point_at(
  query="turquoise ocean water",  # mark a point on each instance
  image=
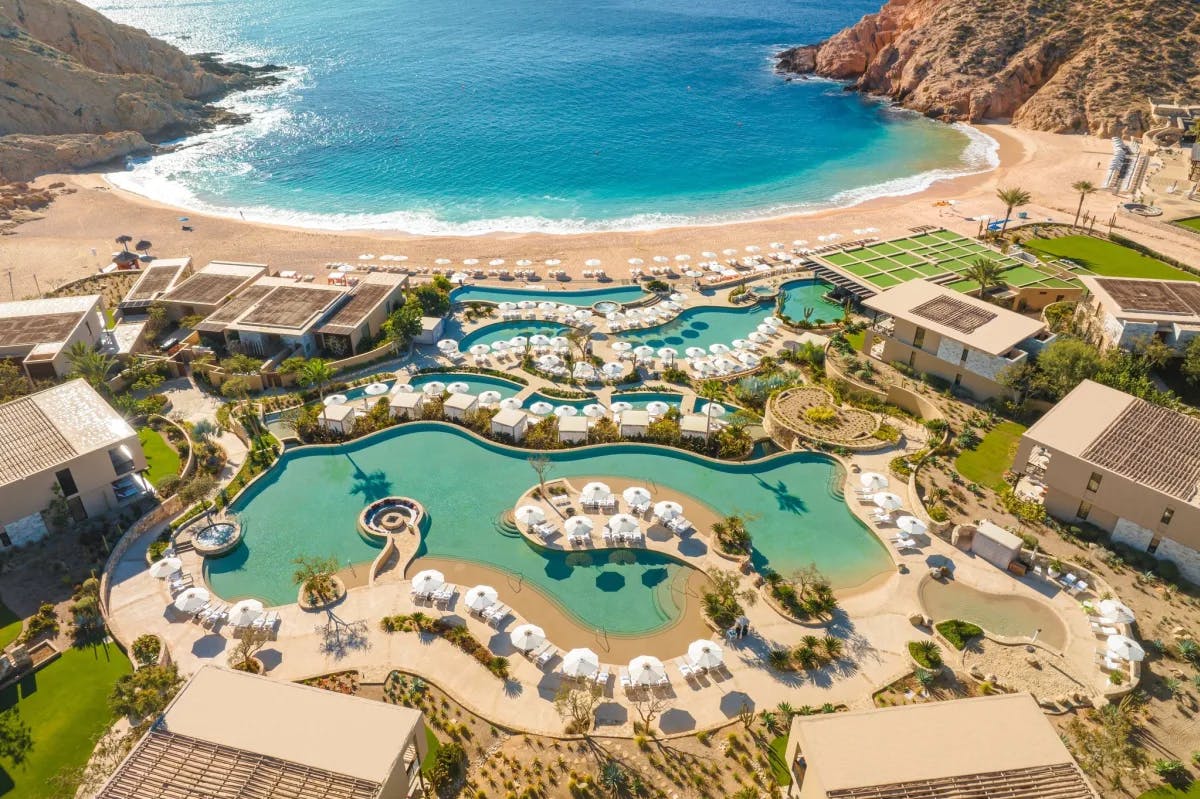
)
(533, 115)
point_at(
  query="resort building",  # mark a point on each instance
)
(229, 735)
(431, 330)
(407, 404)
(360, 319)
(457, 406)
(339, 418)
(511, 422)
(210, 288)
(573, 429)
(38, 333)
(65, 442)
(634, 423)
(963, 340)
(158, 277)
(1123, 464)
(989, 746)
(1126, 312)
(694, 425)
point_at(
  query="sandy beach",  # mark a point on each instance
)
(75, 236)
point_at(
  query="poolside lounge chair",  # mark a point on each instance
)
(881, 518)
(626, 681)
(444, 594)
(904, 543)
(639, 509)
(678, 525)
(685, 668)
(1067, 580)
(602, 676)
(545, 529)
(497, 614)
(1104, 630)
(608, 536)
(198, 612)
(1079, 587)
(546, 656)
(538, 651)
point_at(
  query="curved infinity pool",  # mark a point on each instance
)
(580, 297)
(502, 331)
(466, 484)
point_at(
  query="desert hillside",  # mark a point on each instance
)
(1054, 65)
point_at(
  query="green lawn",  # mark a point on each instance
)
(1167, 792)
(856, 339)
(779, 766)
(987, 463)
(66, 704)
(1191, 223)
(10, 626)
(432, 745)
(1106, 258)
(160, 455)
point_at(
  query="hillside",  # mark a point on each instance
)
(1054, 65)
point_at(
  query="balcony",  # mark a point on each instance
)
(130, 488)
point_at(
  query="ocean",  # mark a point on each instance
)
(464, 117)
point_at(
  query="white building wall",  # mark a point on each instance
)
(979, 363)
(26, 531)
(1186, 558)
(1135, 535)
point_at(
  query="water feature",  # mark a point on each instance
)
(1007, 615)
(580, 297)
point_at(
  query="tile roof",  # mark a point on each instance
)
(1062, 781)
(954, 314)
(1153, 446)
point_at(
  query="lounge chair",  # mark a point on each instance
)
(685, 669)
(497, 617)
(444, 594)
(904, 543)
(626, 681)
(639, 509)
(608, 536)
(602, 676)
(537, 651)
(545, 529)
(546, 656)
(1079, 587)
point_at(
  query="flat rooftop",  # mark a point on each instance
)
(993, 746)
(1146, 299)
(214, 283)
(965, 319)
(218, 319)
(158, 277)
(364, 299)
(45, 321)
(292, 306)
(53, 427)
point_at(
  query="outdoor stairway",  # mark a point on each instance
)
(841, 281)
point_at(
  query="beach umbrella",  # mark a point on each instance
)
(442, 261)
(707, 254)
(911, 525)
(592, 262)
(621, 346)
(500, 346)
(530, 514)
(695, 352)
(543, 306)
(612, 369)
(459, 277)
(511, 404)
(162, 569)
(657, 407)
(636, 495)
(644, 351)
(560, 341)
(749, 359)
(668, 353)
(823, 238)
(888, 501)
(753, 248)
(566, 410)
(471, 261)
(518, 342)
(552, 262)
(620, 406)
(191, 599)
(549, 362)
(581, 314)
(667, 509)
(366, 256)
(578, 525)
(448, 345)
(683, 257)
(489, 397)
(243, 613)
(524, 262)
(636, 262)
(434, 387)
(718, 348)
(647, 670)
(765, 329)
(580, 663)
(694, 273)
(507, 306)
(527, 637)
(1125, 648)
(595, 492)
(376, 389)
(593, 410)
(496, 262)
(622, 523)
(1114, 611)
(661, 259)
(480, 597)
(873, 481)
(526, 305)
(397, 387)
(428, 581)
(336, 399)
(729, 251)
(800, 242)
(458, 387)
(481, 349)
(713, 409)
(583, 371)
(741, 344)
(758, 338)
(668, 305)
(541, 408)
(724, 363)
(705, 654)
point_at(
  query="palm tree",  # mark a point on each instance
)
(316, 372)
(89, 364)
(1012, 198)
(1084, 187)
(124, 240)
(985, 272)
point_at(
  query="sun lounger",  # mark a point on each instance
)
(444, 594)
(1078, 588)
(685, 669)
(198, 612)
(626, 682)
(497, 617)
(539, 650)
(904, 543)
(679, 525)
(602, 676)
(639, 509)
(544, 529)
(608, 536)
(546, 656)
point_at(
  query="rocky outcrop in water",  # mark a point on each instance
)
(1055, 65)
(69, 73)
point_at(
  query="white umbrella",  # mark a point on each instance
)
(667, 509)
(441, 261)
(705, 654)
(524, 262)
(458, 387)
(683, 257)
(707, 254)
(661, 259)
(580, 663)
(500, 346)
(766, 329)
(481, 597)
(552, 262)
(447, 345)
(657, 407)
(496, 262)
(518, 342)
(162, 569)
(749, 359)
(1116, 612)
(873, 481)
(758, 338)
(581, 315)
(644, 351)
(1125, 648)
(773, 321)
(511, 404)
(489, 397)
(434, 387)
(911, 525)
(668, 353)
(459, 277)
(621, 346)
(397, 387)
(549, 362)
(366, 257)
(541, 408)
(243, 613)
(541, 339)
(527, 636)
(191, 599)
(526, 305)
(376, 389)
(470, 261)
(578, 525)
(593, 410)
(530, 514)
(622, 523)
(428, 581)
(695, 352)
(647, 670)
(480, 349)
(636, 495)
(566, 410)
(753, 248)
(620, 406)
(725, 363)
(636, 262)
(678, 297)
(336, 399)
(592, 262)
(718, 348)
(888, 501)
(507, 306)
(729, 251)
(560, 341)
(712, 409)
(741, 344)
(595, 492)
(612, 369)
(693, 273)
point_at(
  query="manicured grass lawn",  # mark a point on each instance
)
(1167, 792)
(432, 746)
(856, 339)
(1107, 259)
(779, 766)
(987, 463)
(161, 456)
(10, 626)
(66, 705)
(1191, 223)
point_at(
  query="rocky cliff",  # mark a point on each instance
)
(1054, 65)
(69, 73)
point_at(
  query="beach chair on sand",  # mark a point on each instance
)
(602, 676)
(497, 617)
(546, 656)
(626, 682)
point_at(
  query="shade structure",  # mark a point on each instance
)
(1125, 648)
(434, 387)
(459, 277)
(560, 341)
(336, 399)
(693, 273)
(191, 599)
(888, 501)
(622, 523)
(741, 344)
(647, 670)
(243, 613)
(480, 597)
(749, 359)
(612, 369)
(636, 262)
(758, 338)
(636, 495)
(489, 397)
(595, 492)
(470, 261)
(428, 581)
(765, 329)
(592, 262)
(552, 262)
(620, 406)
(458, 387)
(518, 342)
(529, 514)
(496, 262)
(912, 525)
(579, 525)
(718, 348)
(527, 636)
(480, 349)
(376, 389)
(667, 509)
(593, 411)
(541, 339)
(448, 345)
(397, 387)
(507, 306)
(657, 407)
(549, 362)
(1116, 612)
(712, 409)
(706, 654)
(668, 353)
(773, 321)
(510, 403)
(661, 259)
(873, 481)
(621, 346)
(162, 569)
(524, 262)
(501, 346)
(683, 257)
(441, 261)
(566, 410)
(580, 663)
(644, 351)
(541, 408)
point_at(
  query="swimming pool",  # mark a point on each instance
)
(580, 297)
(640, 399)
(1008, 615)
(466, 483)
(538, 396)
(799, 294)
(490, 334)
(476, 383)
(701, 327)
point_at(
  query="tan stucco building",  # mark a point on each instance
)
(963, 340)
(1126, 312)
(230, 735)
(66, 437)
(1123, 464)
(36, 334)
